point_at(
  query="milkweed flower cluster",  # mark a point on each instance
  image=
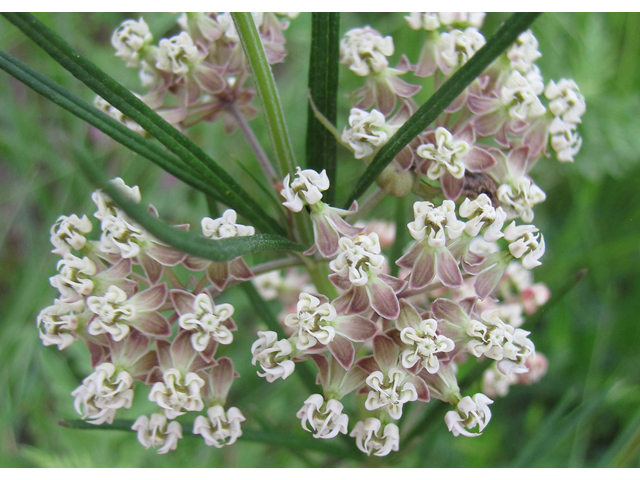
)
(394, 336)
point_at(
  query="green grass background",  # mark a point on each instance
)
(585, 412)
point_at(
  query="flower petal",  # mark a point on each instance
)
(424, 271)
(355, 327)
(359, 302)
(239, 270)
(385, 352)
(451, 186)
(478, 159)
(368, 364)
(488, 280)
(182, 352)
(383, 299)
(409, 316)
(343, 351)
(221, 378)
(151, 298)
(152, 324)
(167, 256)
(218, 274)
(152, 269)
(445, 309)
(182, 301)
(447, 268)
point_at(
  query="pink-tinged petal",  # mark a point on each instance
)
(447, 268)
(383, 299)
(151, 298)
(458, 103)
(501, 136)
(311, 250)
(343, 351)
(409, 258)
(153, 211)
(396, 284)
(451, 186)
(118, 271)
(481, 105)
(500, 169)
(405, 158)
(385, 97)
(404, 65)
(208, 353)
(402, 88)
(134, 346)
(424, 271)
(466, 134)
(154, 376)
(326, 238)
(342, 283)
(239, 270)
(488, 280)
(182, 301)
(152, 324)
(195, 264)
(164, 255)
(363, 390)
(421, 388)
(445, 309)
(518, 161)
(368, 364)
(472, 259)
(368, 95)
(192, 91)
(352, 380)
(230, 324)
(516, 127)
(536, 138)
(344, 227)
(163, 349)
(355, 327)
(218, 274)
(341, 304)
(173, 115)
(209, 80)
(359, 301)
(144, 365)
(402, 114)
(221, 378)
(98, 353)
(427, 64)
(200, 363)
(385, 352)
(182, 352)
(323, 368)
(183, 226)
(467, 304)
(488, 124)
(409, 316)
(415, 370)
(478, 159)
(152, 269)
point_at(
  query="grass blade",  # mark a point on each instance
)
(125, 101)
(441, 99)
(322, 148)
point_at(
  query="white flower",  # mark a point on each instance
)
(364, 51)
(447, 155)
(481, 214)
(519, 95)
(427, 20)
(154, 432)
(68, 233)
(519, 196)
(368, 132)
(325, 418)
(566, 100)
(102, 393)
(423, 344)
(273, 355)
(304, 189)
(435, 223)
(526, 243)
(495, 383)
(368, 437)
(269, 284)
(74, 280)
(104, 106)
(177, 392)
(565, 140)
(312, 321)
(524, 52)
(112, 313)
(472, 19)
(390, 391)
(208, 322)
(520, 276)
(226, 21)
(121, 236)
(359, 258)
(469, 413)
(219, 428)
(225, 227)
(57, 323)
(106, 206)
(129, 39)
(457, 47)
(177, 54)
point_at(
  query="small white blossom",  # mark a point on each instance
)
(312, 322)
(365, 51)
(519, 196)
(273, 355)
(422, 345)
(435, 223)
(325, 418)
(524, 52)
(226, 22)
(219, 428)
(495, 383)
(225, 227)
(57, 323)
(457, 47)
(446, 155)
(525, 243)
(177, 54)
(68, 233)
(566, 100)
(154, 432)
(482, 215)
(472, 19)
(304, 189)
(112, 313)
(519, 95)
(102, 393)
(565, 140)
(74, 280)
(178, 391)
(129, 39)
(428, 20)
(207, 320)
(359, 258)
(121, 236)
(106, 206)
(390, 391)
(368, 132)
(369, 437)
(469, 413)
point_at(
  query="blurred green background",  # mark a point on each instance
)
(585, 412)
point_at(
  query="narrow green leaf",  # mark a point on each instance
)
(432, 108)
(135, 142)
(248, 435)
(401, 234)
(322, 149)
(196, 245)
(130, 105)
